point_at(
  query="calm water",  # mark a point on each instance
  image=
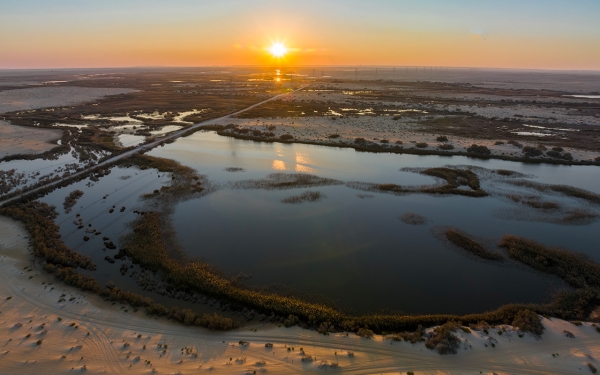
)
(354, 250)
(350, 250)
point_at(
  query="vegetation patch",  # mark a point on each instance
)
(575, 269)
(71, 200)
(566, 190)
(443, 340)
(471, 246)
(307, 196)
(479, 150)
(234, 169)
(278, 181)
(412, 218)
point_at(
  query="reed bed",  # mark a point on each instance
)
(307, 196)
(280, 181)
(473, 247)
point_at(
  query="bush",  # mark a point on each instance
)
(360, 141)
(365, 332)
(528, 321)
(446, 147)
(421, 145)
(442, 138)
(443, 340)
(333, 136)
(531, 151)
(286, 137)
(481, 150)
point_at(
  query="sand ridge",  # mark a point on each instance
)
(80, 332)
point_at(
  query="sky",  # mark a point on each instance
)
(524, 34)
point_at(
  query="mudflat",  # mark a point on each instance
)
(16, 139)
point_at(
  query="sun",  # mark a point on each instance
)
(278, 50)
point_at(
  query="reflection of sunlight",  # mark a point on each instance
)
(303, 158)
(301, 161)
(279, 165)
(304, 169)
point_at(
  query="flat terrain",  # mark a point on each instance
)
(389, 114)
(42, 97)
(80, 332)
(25, 140)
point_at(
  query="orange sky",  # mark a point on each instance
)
(542, 35)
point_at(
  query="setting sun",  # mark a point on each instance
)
(278, 50)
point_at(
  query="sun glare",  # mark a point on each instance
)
(278, 50)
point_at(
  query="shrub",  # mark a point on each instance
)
(497, 143)
(333, 136)
(443, 340)
(481, 150)
(421, 145)
(515, 143)
(291, 320)
(528, 321)
(442, 138)
(360, 141)
(531, 151)
(286, 137)
(557, 149)
(446, 146)
(365, 332)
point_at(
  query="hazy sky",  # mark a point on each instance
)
(545, 34)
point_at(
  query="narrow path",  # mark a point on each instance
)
(149, 146)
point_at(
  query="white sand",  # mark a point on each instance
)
(98, 344)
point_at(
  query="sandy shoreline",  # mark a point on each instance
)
(98, 337)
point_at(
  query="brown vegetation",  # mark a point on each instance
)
(471, 246)
(412, 218)
(307, 196)
(71, 200)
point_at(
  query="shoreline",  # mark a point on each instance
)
(392, 150)
(111, 328)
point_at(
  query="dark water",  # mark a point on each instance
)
(347, 249)
(354, 250)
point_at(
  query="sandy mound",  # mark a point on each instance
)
(49, 328)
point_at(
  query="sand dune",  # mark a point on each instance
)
(81, 332)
